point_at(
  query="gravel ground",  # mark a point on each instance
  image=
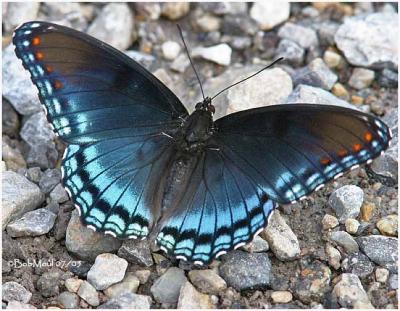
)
(336, 249)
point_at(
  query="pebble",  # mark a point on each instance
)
(170, 50)
(144, 59)
(19, 196)
(136, 252)
(352, 225)
(58, 194)
(381, 275)
(49, 179)
(208, 22)
(346, 202)
(240, 43)
(88, 293)
(239, 25)
(332, 59)
(387, 78)
(357, 100)
(350, 293)
(73, 284)
(17, 86)
(316, 73)
(167, 287)
(80, 268)
(345, 240)
(16, 305)
(10, 119)
(281, 296)
(224, 8)
(71, 14)
(269, 15)
(129, 284)
(148, 10)
(380, 249)
(369, 40)
(219, 54)
(358, 264)
(361, 78)
(49, 283)
(304, 36)
(180, 63)
(143, 275)
(244, 271)
(329, 222)
(367, 211)
(18, 13)
(36, 130)
(128, 301)
(34, 174)
(85, 243)
(394, 281)
(107, 270)
(388, 225)
(190, 298)
(12, 157)
(258, 245)
(12, 291)
(283, 242)
(115, 26)
(291, 51)
(326, 32)
(69, 300)
(207, 281)
(340, 91)
(175, 10)
(34, 223)
(334, 256)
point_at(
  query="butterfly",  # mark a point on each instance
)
(139, 165)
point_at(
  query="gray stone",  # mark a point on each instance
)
(240, 43)
(69, 13)
(19, 12)
(107, 270)
(291, 51)
(208, 22)
(387, 78)
(49, 283)
(128, 301)
(136, 252)
(282, 240)
(16, 305)
(88, 293)
(239, 25)
(358, 264)
(244, 271)
(69, 300)
(180, 63)
(345, 240)
(143, 275)
(223, 8)
(115, 26)
(19, 196)
(190, 298)
(370, 40)
(129, 284)
(346, 202)
(207, 281)
(58, 194)
(303, 36)
(144, 59)
(44, 155)
(220, 54)
(12, 157)
(10, 120)
(17, 86)
(270, 14)
(149, 10)
(394, 281)
(34, 174)
(334, 256)
(14, 291)
(258, 245)
(361, 78)
(34, 223)
(167, 287)
(381, 250)
(36, 130)
(350, 293)
(85, 243)
(72, 284)
(49, 179)
(326, 32)
(175, 10)
(317, 73)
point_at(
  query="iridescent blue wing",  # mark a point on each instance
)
(223, 208)
(292, 150)
(90, 90)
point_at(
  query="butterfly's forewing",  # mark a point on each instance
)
(291, 150)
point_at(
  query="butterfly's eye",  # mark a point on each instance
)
(211, 109)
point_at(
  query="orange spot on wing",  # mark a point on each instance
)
(325, 161)
(39, 55)
(58, 85)
(49, 69)
(342, 153)
(36, 41)
(368, 136)
(357, 147)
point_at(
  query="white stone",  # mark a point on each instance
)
(350, 293)
(20, 12)
(281, 296)
(268, 14)
(170, 49)
(220, 54)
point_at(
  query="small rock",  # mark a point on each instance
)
(388, 78)
(369, 40)
(190, 298)
(85, 243)
(352, 225)
(167, 287)
(48, 283)
(59, 194)
(150, 10)
(332, 59)
(224, 8)
(344, 240)
(12, 157)
(136, 252)
(388, 225)
(316, 74)
(346, 201)
(207, 281)
(16, 305)
(73, 284)
(220, 54)
(358, 264)
(174, 10)
(329, 222)
(180, 63)
(240, 43)
(281, 296)
(34, 174)
(36, 130)
(13, 291)
(238, 25)
(69, 300)
(19, 196)
(34, 223)
(394, 281)
(128, 301)
(67, 13)
(350, 293)
(63, 218)
(244, 271)
(326, 32)
(282, 240)
(269, 15)
(144, 59)
(108, 269)
(80, 268)
(143, 276)
(334, 256)
(50, 178)
(10, 119)
(88, 293)
(380, 249)
(381, 275)
(44, 155)
(114, 25)
(129, 284)
(340, 91)
(19, 12)
(303, 36)
(291, 51)
(170, 50)
(258, 245)
(361, 78)
(367, 211)
(208, 23)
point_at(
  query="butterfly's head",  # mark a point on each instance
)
(206, 105)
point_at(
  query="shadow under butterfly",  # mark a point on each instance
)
(138, 165)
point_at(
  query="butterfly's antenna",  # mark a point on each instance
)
(236, 83)
(190, 59)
